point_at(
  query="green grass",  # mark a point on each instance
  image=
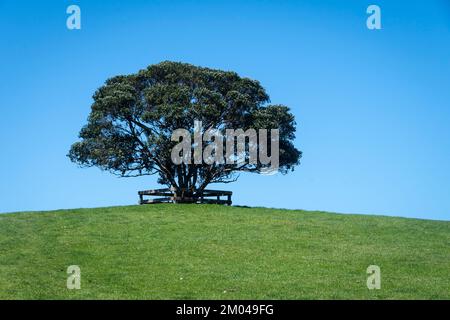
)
(216, 252)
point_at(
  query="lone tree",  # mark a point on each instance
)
(129, 130)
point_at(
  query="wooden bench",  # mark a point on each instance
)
(170, 196)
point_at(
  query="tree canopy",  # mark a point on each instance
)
(129, 130)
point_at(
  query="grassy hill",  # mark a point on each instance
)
(216, 252)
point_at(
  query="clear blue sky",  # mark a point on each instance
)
(373, 107)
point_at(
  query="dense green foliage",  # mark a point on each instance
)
(133, 117)
(218, 252)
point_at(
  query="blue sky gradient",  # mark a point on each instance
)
(372, 106)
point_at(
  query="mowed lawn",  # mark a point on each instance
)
(217, 252)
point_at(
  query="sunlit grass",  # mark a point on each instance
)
(217, 252)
